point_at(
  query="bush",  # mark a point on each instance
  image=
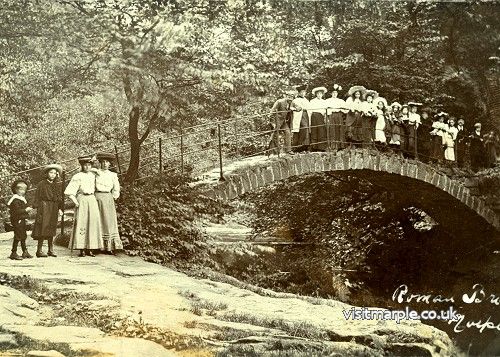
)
(157, 220)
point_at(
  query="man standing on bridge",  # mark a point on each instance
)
(280, 123)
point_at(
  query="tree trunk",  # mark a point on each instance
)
(135, 145)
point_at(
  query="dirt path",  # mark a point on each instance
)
(218, 315)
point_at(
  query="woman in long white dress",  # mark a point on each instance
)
(107, 191)
(450, 135)
(87, 232)
(380, 104)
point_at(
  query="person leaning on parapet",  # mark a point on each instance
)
(280, 123)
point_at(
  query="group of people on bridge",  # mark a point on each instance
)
(92, 190)
(366, 119)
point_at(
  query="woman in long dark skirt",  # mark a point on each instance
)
(405, 119)
(48, 201)
(396, 127)
(318, 107)
(336, 127)
(369, 118)
(353, 119)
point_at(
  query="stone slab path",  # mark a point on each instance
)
(164, 298)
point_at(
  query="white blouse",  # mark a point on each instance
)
(354, 104)
(82, 182)
(414, 119)
(107, 181)
(439, 128)
(317, 105)
(335, 105)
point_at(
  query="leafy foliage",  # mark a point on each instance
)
(157, 220)
(115, 70)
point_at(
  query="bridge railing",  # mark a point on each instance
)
(198, 149)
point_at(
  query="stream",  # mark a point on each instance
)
(362, 246)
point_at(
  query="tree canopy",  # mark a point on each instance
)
(80, 75)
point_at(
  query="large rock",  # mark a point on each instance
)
(92, 341)
(7, 340)
(16, 307)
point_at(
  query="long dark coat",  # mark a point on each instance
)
(48, 200)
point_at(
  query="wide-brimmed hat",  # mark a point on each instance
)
(86, 159)
(414, 104)
(396, 104)
(317, 89)
(301, 87)
(380, 99)
(372, 93)
(56, 167)
(105, 156)
(336, 87)
(16, 183)
(441, 114)
(355, 89)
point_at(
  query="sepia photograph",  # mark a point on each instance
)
(246, 178)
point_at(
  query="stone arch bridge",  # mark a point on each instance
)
(450, 198)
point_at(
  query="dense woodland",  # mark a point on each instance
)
(80, 75)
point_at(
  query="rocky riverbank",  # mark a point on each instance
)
(124, 306)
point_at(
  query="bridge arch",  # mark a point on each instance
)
(247, 175)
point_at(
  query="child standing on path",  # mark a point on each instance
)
(19, 212)
(48, 201)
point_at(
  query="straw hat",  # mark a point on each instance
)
(317, 89)
(86, 159)
(301, 87)
(441, 114)
(355, 89)
(56, 167)
(105, 156)
(380, 99)
(372, 93)
(414, 104)
(396, 105)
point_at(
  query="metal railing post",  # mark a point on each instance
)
(63, 179)
(277, 139)
(118, 160)
(160, 155)
(416, 141)
(327, 126)
(182, 150)
(236, 137)
(221, 178)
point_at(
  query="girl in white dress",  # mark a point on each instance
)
(87, 233)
